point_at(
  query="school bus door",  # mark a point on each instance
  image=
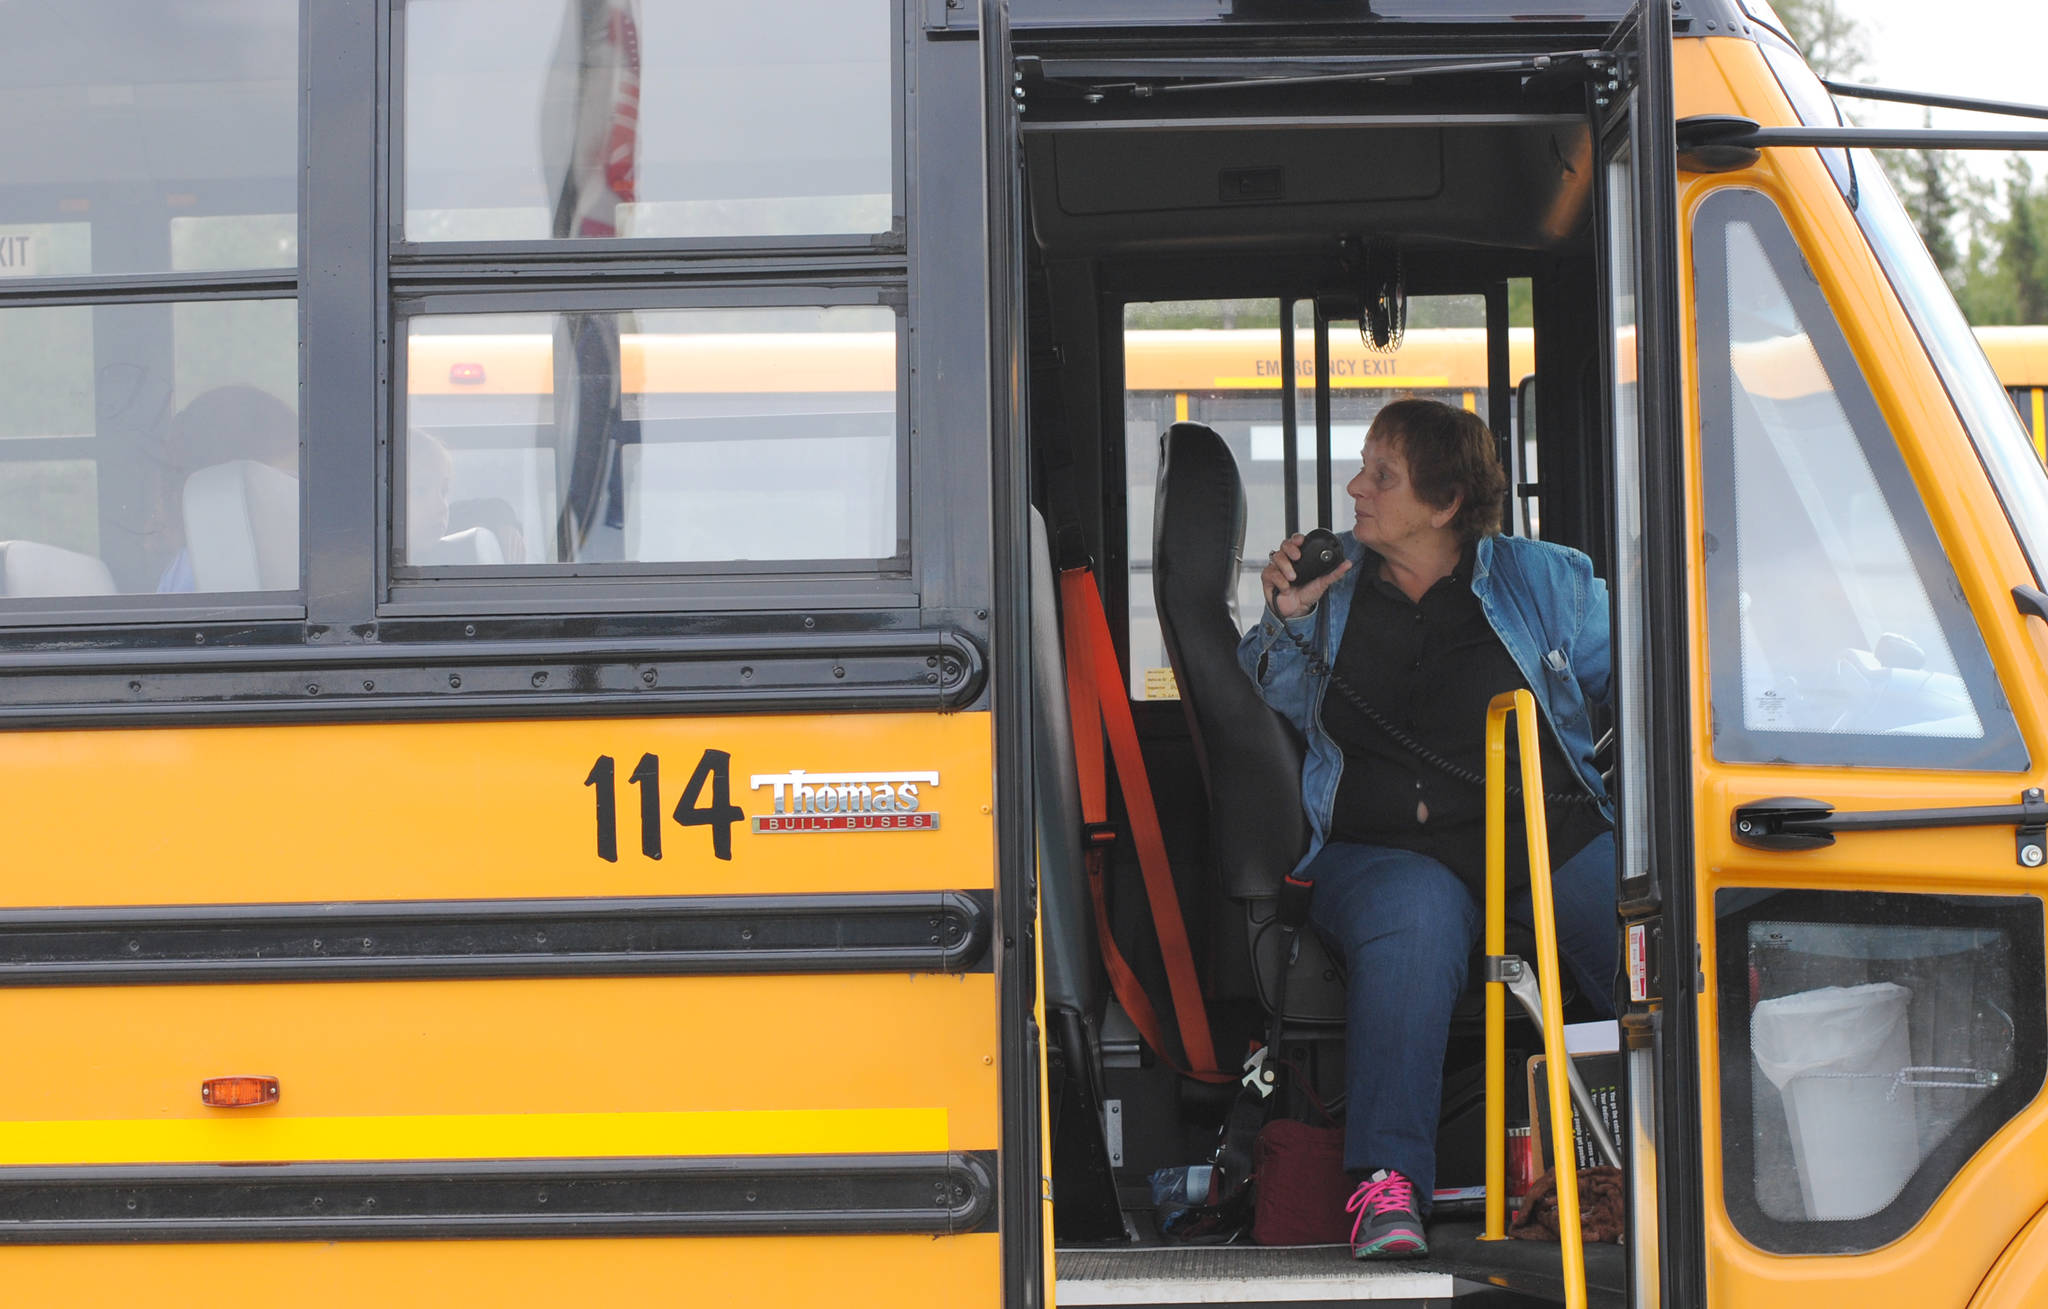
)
(1633, 108)
(1866, 777)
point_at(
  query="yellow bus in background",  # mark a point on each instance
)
(2020, 356)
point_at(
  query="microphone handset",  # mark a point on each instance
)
(1321, 552)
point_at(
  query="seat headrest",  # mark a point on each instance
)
(30, 568)
(242, 527)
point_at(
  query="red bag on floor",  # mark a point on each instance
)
(1299, 1185)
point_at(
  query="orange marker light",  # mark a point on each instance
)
(466, 374)
(238, 1092)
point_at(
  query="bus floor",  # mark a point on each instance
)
(1461, 1271)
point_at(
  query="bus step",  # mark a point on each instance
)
(1257, 1276)
(1532, 1268)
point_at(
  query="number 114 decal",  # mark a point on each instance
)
(717, 812)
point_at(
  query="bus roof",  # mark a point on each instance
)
(2018, 354)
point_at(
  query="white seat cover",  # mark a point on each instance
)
(474, 545)
(242, 527)
(30, 568)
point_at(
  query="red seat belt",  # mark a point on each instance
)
(1097, 703)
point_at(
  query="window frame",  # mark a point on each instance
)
(2019, 917)
(418, 278)
(2001, 748)
(404, 251)
(23, 616)
(629, 586)
(916, 638)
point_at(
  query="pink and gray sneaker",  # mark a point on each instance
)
(1389, 1225)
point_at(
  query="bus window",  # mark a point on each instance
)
(2027, 402)
(686, 436)
(1218, 362)
(1837, 633)
(149, 135)
(149, 445)
(156, 447)
(1870, 1044)
(668, 118)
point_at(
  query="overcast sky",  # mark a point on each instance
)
(1994, 49)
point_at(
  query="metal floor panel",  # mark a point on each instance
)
(1175, 1275)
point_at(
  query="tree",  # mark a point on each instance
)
(1930, 195)
(2020, 253)
(1831, 40)
(1985, 295)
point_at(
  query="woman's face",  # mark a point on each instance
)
(1392, 519)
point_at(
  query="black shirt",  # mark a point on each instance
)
(1431, 668)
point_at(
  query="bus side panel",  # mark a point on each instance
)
(606, 951)
(870, 1272)
(418, 811)
(2020, 1277)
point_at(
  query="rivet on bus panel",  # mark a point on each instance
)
(238, 1092)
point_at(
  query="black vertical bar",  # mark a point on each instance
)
(1500, 396)
(135, 358)
(1020, 1184)
(341, 311)
(1667, 805)
(1290, 420)
(1322, 420)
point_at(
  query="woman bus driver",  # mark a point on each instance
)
(1430, 616)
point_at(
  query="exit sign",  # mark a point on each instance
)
(18, 254)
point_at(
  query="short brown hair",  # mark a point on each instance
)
(1449, 451)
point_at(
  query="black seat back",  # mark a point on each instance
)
(1250, 755)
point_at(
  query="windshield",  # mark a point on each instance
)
(1993, 424)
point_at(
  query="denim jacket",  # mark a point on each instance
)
(1542, 600)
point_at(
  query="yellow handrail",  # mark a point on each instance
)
(1564, 1148)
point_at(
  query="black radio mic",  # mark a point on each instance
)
(1321, 552)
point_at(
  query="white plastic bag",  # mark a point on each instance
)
(1836, 1055)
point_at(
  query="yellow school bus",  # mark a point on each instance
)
(2020, 354)
(537, 744)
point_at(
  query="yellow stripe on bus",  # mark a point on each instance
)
(1180, 406)
(1336, 383)
(2040, 428)
(258, 1138)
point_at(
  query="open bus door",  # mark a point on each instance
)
(1867, 842)
(1640, 284)
(1025, 1182)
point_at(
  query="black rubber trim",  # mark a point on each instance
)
(935, 1194)
(927, 931)
(924, 670)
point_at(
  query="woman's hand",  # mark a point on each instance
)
(1277, 580)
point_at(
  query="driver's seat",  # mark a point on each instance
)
(1250, 756)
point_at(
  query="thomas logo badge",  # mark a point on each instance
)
(846, 802)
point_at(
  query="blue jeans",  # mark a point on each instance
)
(1405, 927)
